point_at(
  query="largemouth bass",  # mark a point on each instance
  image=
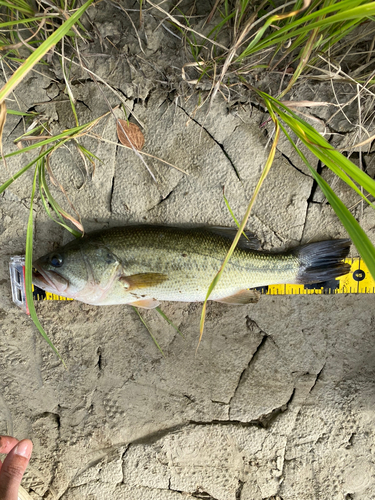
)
(143, 265)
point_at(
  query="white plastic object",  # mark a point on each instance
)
(17, 281)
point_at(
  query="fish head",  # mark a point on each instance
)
(62, 272)
(81, 270)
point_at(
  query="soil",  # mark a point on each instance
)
(279, 401)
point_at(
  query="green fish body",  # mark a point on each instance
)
(143, 265)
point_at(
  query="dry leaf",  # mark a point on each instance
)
(132, 136)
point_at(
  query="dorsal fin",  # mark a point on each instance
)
(251, 243)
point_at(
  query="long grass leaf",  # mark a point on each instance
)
(67, 134)
(325, 155)
(7, 183)
(26, 20)
(56, 207)
(318, 145)
(163, 315)
(291, 30)
(29, 270)
(242, 226)
(356, 233)
(148, 329)
(24, 10)
(29, 165)
(232, 214)
(20, 113)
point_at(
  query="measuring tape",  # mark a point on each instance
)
(358, 280)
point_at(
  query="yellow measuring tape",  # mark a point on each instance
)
(41, 295)
(359, 280)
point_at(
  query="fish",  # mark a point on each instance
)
(142, 265)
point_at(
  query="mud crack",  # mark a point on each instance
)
(163, 199)
(310, 199)
(113, 182)
(213, 138)
(294, 166)
(99, 364)
(251, 325)
(317, 378)
(239, 489)
(203, 495)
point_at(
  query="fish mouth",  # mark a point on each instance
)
(49, 281)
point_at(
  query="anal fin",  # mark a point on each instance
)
(242, 297)
(145, 303)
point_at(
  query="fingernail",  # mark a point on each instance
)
(23, 448)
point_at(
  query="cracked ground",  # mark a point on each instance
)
(278, 403)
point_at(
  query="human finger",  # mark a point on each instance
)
(7, 443)
(13, 468)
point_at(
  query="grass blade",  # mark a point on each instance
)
(64, 136)
(292, 30)
(29, 270)
(232, 214)
(163, 315)
(56, 207)
(148, 329)
(20, 113)
(67, 134)
(320, 147)
(7, 183)
(356, 233)
(242, 226)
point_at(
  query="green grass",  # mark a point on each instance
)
(297, 34)
(143, 321)
(29, 268)
(164, 316)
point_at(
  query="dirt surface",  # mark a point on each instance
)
(279, 401)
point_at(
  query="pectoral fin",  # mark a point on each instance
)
(146, 303)
(143, 280)
(242, 297)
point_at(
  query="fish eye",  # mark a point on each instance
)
(56, 260)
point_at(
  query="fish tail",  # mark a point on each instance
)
(322, 261)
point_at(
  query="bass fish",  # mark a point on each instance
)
(143, 265)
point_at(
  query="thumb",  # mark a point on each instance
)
(13, 468)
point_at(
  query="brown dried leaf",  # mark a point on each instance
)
(130, 134)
